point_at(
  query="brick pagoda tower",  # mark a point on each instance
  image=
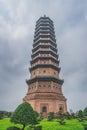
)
(44, 86)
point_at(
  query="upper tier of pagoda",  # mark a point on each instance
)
(44, 52)
(44, 85)
(44, 39)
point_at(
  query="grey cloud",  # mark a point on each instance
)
(16, 43)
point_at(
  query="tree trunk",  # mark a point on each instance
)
(23, 127)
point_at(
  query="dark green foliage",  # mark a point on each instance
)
(72, 114)
(13, 128)
(9, 114)
(68, 116)
(61, 121)
(85, 128)
(24, 115)
(39, 119)
(35, 128)
(36, 113)
(61, 117)
(38, 128)
(41, 116)
(2, 114)
(50, 116)
(80, 115)
(85, 111)
(5, 114)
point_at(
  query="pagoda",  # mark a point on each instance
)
(44, 85)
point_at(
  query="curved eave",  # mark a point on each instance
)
(45, 66)
(44, 24)
(44, 58)
(44, 41)
(44, 18)
(44, 38)
(44, 32)
(44, 27)
(44, 46)
(44, 78)
(44, 52)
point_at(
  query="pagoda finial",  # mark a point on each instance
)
(44, 15)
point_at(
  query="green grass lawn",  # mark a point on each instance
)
(46, 125)
(5, 123)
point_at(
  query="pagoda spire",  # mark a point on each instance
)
(44, 85)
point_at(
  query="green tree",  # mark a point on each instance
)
(61, 117)
(24, 115)
(4, 114)
(51, 116)
(85, 111)
(67, 115)
(72, 114)
(36, 113)
(80, 115)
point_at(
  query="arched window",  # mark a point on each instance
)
(53, 86)
(44, 71)
(39, 86)
(61, 109)
(54, 73)
(44, 109)
(49, 86)
(34, 73)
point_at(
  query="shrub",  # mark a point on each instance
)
(36, 113)
(5, 114)
(61, 121)
(85, 111)
(61, 118)
(80, 116)
(51, 116)
(13, 128)
(35, 128)
(24, 115)
(68, 116)
(85, 127)
(38, 128)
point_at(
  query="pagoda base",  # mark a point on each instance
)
(47, 105)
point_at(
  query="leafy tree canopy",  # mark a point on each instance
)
(85, 111)
(24, 114)
(4, 114)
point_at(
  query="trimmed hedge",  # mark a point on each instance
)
(13, 128)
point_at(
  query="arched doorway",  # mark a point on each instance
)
(61, 110)
(44, 109)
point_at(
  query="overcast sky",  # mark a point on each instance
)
(17, 24)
